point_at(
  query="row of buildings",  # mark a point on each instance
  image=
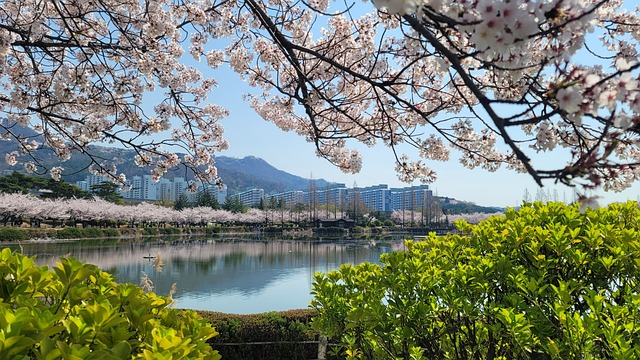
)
(143, 188)
(379, 197)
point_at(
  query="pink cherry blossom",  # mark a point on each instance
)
(534, 75)
(569, 99)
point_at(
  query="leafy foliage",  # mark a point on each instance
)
(11, 234)
(108, 191)
(233, 204)
(544, 282)
(205, 199)
(20, 183)
(76, 311)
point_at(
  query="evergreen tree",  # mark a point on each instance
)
(20, 183)
(108, 191)
(233, 204)
(181, 202)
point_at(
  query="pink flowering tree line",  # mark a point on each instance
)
(23, 207)
(497, 81)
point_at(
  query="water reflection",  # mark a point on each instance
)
(228, 275)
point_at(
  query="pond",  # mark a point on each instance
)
(231, 275)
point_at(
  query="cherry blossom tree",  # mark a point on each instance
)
(497, 81)
(18, 207)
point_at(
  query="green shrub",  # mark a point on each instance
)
(111, 233)
(12, 234)
(170, 230)
(376, 230)
(91, 232)
(213, 229)
(150, 231)
(68, 233)
(111, 223)
(544, 282)
(77, 311)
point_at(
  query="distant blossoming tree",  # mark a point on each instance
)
(498, 81)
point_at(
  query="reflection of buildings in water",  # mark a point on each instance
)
(211, 266)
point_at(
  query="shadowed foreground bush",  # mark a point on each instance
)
(77, 311)
(279, 328)
(544, 282)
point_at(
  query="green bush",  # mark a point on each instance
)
(91, 232)
(12, 234)
(150, 231)
(69, 233)
(213, 229)
(170, 230)
(544, 282)
(77, 311)
(277, 328)
(110, 233)
(376, 230)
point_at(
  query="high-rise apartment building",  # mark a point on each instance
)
(290, 198)
(250, 197)
(165, 190)
(179, 187)
(410, 198)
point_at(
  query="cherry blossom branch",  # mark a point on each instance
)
(484, 101)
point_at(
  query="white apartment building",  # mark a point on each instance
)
(410, 198)
(290, 198)
(179, 187)
(250, 197)
(164, 190)
(92, 180)
(375, 197)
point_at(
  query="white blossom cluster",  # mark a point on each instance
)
(82, 72)
(522, 63)
(498, 81)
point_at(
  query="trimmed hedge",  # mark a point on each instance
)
(278, 327)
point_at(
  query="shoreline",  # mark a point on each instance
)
(69, 233)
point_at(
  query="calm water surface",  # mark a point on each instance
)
(229, 275)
